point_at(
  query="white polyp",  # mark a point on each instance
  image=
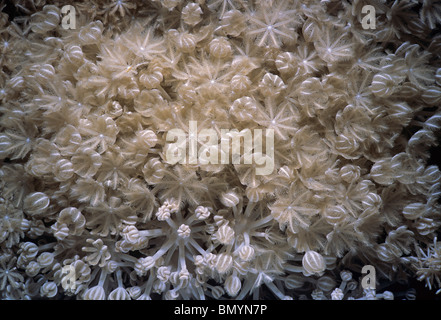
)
(184, 231)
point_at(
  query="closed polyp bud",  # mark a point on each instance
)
(387, 295)
(114, 109)
(143, 265)
(134, 292)
(286, 63)
(72, 216)
(219, 220)
(233, 23)
(335, 214)
(351, 285)
(45, 73)
(131, 234)
(372, 200)
(187, 94)
(346, 144)
(184, 277)
(32, 269)
(163, 214)
(74, 54)
(383, 85)
(184, 231)
(91, 33)
(202, 213)
(346, 275)
(61, 231)
(240, 83)
(317, 294)
(45, 259)
(217, 292)
(224, 262)
(337, 294)
(119, 294)
(246, 252)
(171, 204)
(350, 173)
(313, 263)
(153, 171)
(186, 42)
(432, 95)
(159, 287)
(387, 253)
(111, 266)
(86, 162)
(36, 203)
(210, 260)
(381, 173)
(45, 20)
(294, 281)
(326, 283)
(191, 14)
(243, 109)
(229, 199)
(413, 211)
(225, 234)
(63, 170)
(220, 48)
(163, 273)
(271, 85)
(171, 295)
(49, 289)
(232, 285)
(95, 293)
(310, 30)
(28, 250)
(409, 90)
(170, 4)
(151, 79)
(148, 138)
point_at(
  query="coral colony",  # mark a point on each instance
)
(214, 149)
